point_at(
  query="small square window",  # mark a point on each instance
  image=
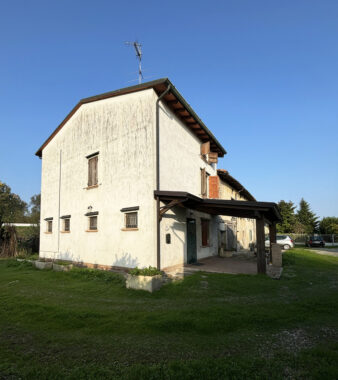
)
(131, 220)
(49, 226)
(66, 225)
(93, 223)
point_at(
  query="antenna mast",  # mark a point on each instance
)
(138, 51)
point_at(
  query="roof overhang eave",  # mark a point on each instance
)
(243, 209)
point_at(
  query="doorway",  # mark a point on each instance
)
(191, 241)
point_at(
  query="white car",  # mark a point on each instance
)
(283, 240)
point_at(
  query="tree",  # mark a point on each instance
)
(329, 225)
(35, 208)
(306, 217)
(12, 207)
(287, 210)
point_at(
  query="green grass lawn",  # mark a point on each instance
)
(85, 324)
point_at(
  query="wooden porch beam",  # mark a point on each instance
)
(272, 237)
(260, 238)
(174, 202)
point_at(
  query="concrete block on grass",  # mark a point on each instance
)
(276, 255)
(43, 264)
(148, 283)
(62, 268)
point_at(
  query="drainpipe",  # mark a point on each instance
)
(158, 175)
(59, 204)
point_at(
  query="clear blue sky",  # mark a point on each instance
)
(263, 76)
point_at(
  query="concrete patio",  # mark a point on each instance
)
(238, 264)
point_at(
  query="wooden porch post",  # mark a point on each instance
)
(272, 237)
(260, 238)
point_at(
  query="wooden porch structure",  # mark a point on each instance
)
(262, 212)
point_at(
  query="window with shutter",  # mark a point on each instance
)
(205, 232)
(204, 183)
(92, 171)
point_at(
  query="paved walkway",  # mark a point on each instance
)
(216, 264)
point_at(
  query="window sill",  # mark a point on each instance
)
(91, 187)
(65, 232)
(92, 230)
(129, 229)
(48, 233)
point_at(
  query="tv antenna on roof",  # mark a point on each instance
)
(138, 50)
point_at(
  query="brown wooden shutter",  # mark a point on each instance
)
(92, 171)
(203, 182)
(89, 172)
(205, 148)
(205, 232)
(95, 176)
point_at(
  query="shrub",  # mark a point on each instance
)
(24, 256)
(150, 271)
(28, 240)
(96, 275)
(62, 262)
(18, 264)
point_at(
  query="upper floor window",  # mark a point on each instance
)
(92, 169)
(204, 183)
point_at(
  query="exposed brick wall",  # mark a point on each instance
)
(213, 186)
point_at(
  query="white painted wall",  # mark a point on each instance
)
(122, 130)
(243, 225)
(180, 170)
(180, 156)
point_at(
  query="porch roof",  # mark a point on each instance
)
(242, 209)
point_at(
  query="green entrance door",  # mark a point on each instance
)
(191, 241)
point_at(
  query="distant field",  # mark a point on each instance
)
(85, 324)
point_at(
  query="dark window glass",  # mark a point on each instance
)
(67, 225)
(131, 220)
(93, 223)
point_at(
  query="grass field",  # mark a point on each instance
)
(85, 324)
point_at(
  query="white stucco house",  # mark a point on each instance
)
(126, 181)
